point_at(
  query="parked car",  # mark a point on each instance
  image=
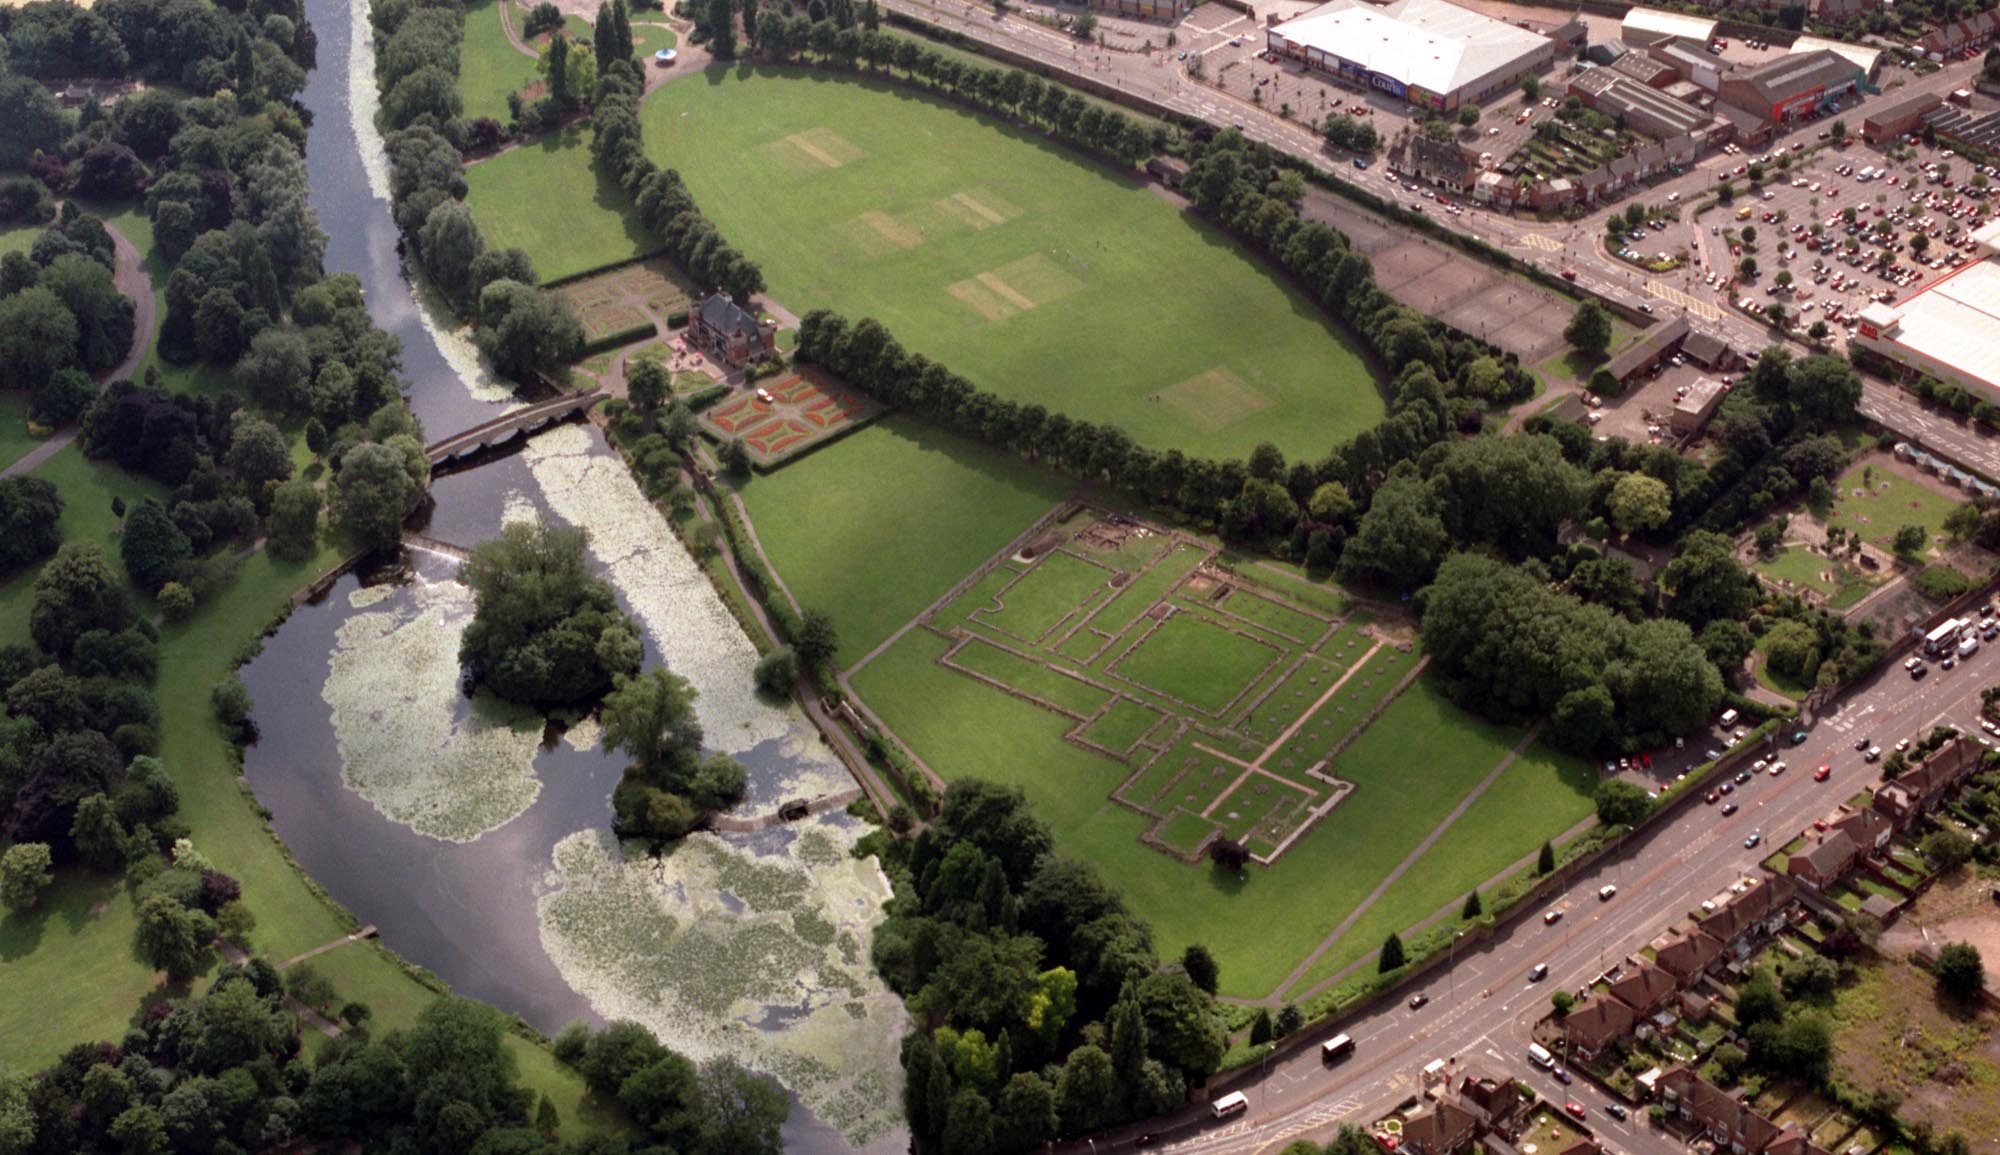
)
(1417, 1001)
(1552, 917)
(1729, 808)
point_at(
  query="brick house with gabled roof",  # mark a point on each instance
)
(1645, 990)
(1920, 787)
(1686, 954)
(1492, 1100)
(1759, 907)
(1595, 1024)
(731, 334)
(1732, 1125)
(1441, 162)
(1439, 1129)
(1825, 860)
(1729, 1123)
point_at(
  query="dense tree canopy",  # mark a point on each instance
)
(545, 629)
(1511, 646)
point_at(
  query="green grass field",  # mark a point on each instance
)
(1802, 567)
(1542, 794)
(17, 240)
(879, 524)
(546, 198)
(1411, 769)
(1197, 662)
(1047, 596)
(78, 942)
(489, 66)
(1888, 502)
(1037, 274)
(650, 38)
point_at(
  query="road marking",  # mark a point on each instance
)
(1695, 305)
(1538, 241)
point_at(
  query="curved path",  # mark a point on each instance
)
(132, 280)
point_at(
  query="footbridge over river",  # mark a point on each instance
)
(521, 423)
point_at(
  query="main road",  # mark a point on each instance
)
(1482, 1008)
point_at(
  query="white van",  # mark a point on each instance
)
(1539, 1055)
(1233, 1103)
(1336, 1048)
(1969, 646)
(1728, 718)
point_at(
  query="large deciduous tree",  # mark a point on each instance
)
(545, 630)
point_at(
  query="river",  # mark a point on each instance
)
(475, 838)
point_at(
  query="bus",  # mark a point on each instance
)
(1940, 641)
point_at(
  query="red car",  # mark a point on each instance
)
(1712, 797)
(1575, 1108)
(1823, 773)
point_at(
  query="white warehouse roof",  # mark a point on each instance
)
(1955, 322)
(1860, 56)
(1429, 44)
(1661, 24)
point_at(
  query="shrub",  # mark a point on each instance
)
(778, 671)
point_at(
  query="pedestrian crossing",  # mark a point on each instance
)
(1706, 310)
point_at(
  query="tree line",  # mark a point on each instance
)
(526, 331)
(664, 205)
(851, 40)
(1040, 1008)
(225, 1072)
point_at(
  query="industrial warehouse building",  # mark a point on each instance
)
(1950, 329)
(1790, 87)
(1433, 54)
(1646, 26)
(1640, 108)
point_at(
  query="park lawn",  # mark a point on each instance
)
(1411, 768)
(1537, 798)
(15, 439)
(69, 970)
(876, 526)
(18, 239)
(547, 199)
(1801, 567)
(86, 488)
(650, 38)
(1891, 501)
(1041, 276)
(490, 68)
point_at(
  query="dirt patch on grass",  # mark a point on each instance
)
(1214, 399)
(975, 295)
(826, 146)
(1892, 1030)
(898, 235)
(978, 209)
